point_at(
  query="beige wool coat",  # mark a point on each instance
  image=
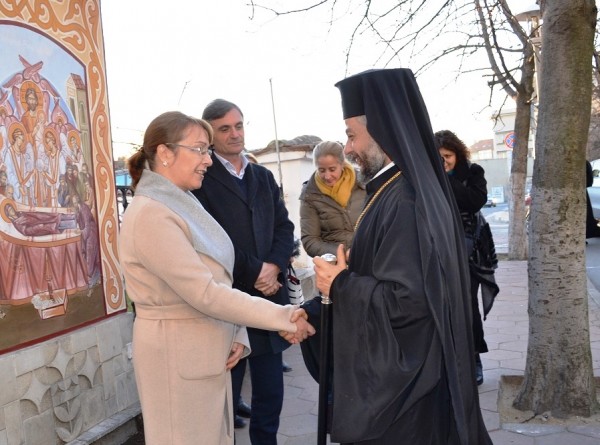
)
(187, 319)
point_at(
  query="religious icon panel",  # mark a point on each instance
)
(57, 207)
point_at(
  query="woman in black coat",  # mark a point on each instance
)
(470, 191)
(591, 226)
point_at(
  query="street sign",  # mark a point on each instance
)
(509, 140)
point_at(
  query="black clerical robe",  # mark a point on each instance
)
(390, 345)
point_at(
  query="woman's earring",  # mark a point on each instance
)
(164, 163)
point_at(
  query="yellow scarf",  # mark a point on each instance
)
(340, 192)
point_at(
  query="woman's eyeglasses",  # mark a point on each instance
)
(199, 150)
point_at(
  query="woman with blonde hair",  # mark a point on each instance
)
(178, 264)
(332, 200)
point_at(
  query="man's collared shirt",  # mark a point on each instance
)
(231, 169)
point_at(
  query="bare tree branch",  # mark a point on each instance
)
(291, 11)
(504, 80)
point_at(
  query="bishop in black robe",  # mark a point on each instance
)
(403, 356)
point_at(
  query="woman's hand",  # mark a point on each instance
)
(235, 355)
(303, 328)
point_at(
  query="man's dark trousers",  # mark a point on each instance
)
(267, 395)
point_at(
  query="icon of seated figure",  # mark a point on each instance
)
(37, 223)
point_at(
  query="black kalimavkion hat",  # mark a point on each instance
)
(354, 89)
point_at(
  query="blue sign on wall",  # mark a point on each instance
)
(122, 178)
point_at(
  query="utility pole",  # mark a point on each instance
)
(182, 91)
(276, 141)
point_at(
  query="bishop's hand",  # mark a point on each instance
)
(326, 272)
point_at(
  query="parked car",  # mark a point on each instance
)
(594, 194)
(594, 190)
(491, 202)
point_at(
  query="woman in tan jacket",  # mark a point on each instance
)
(178, 262)
(331, 199)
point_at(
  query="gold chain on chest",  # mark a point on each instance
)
(374, 198)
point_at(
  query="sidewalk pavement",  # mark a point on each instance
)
(506, 331)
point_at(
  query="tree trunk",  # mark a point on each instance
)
(559, 374)
(517, 235)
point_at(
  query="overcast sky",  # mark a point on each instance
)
(179, 55)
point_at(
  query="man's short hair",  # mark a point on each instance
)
(219, 108)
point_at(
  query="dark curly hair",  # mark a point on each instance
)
(448, 140)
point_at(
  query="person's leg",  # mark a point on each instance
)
(243, 409)
(480, 344)
(478, 369)
(237, 378)
(266, 374)
(479, 341)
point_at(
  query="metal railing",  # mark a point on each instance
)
(124, 196)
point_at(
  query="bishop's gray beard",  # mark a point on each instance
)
(372, 160)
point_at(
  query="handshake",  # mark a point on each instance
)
(303, 328)
(303, 331)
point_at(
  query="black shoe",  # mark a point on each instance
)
(244, 409)
(238, 422)
(286, 367)
(478, 370)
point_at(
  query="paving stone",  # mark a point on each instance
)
(565, 439)
(502, 437)
(588, 430)
(489, 400)
(533, 429)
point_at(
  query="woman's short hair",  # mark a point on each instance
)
(169, 127)
(448, 140)
(329, 148)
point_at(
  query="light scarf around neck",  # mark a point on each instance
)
(208, 237)
(340, 191)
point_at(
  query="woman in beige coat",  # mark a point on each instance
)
(178, 262)
(331, 201)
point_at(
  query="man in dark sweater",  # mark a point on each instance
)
(245, 200)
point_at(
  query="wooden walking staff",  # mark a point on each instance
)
(326, 315)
